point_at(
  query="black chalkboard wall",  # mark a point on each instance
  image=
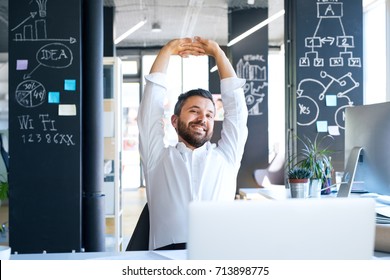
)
(250, 58)
(44, 126)
(329, 73)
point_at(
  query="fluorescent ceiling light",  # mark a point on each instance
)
(255, 28)
(131, 30)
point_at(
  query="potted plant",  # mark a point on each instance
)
(3, 190)
(298, 181)
(315, 156)
(3, 196)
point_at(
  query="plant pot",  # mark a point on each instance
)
(315, 188)
(299, 188)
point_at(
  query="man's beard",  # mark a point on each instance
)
(194, 139)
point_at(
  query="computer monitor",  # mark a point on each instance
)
(368, 126)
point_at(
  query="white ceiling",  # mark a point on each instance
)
(177, 18)
(207, 18)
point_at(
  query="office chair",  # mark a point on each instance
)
(139, 241)
(273, 174)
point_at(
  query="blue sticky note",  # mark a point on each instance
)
(70, 85)
(331, 100)
(322, 126)
(21, 64)
(54, 97)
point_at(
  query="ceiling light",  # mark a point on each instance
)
(255, 28)
(131, 30)
(251, 2)
(156, 27)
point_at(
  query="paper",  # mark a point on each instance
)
(67, 110)
(331, 100)
(322, 126)
(172, 254)
(21, 64)
(70, 85)
(384, 211)
(54, 97)
(333, 130)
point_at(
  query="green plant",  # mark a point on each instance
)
(315, 156)
(3, 190)
(299, 173)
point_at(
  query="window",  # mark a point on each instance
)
(374, 47)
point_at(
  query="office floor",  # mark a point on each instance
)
(133, 203)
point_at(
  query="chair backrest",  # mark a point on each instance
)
(273, 174)
(139, 241)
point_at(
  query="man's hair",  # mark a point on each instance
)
(184, 96)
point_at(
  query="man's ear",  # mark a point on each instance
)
(174, 121)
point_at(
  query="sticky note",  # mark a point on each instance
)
(70, 85)
(331, 100)
(21, 64)
(322, 126)
(333, 130)
(54, 97)
(67, 110)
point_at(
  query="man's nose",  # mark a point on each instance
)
(202, 117)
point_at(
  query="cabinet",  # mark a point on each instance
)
(112, 187)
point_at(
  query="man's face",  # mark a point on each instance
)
(195, 124)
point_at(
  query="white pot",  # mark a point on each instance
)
(315, 188)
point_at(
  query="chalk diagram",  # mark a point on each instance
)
(256, 78)
(329, 11)
(55, 54)
(30, 93)
(308, 109)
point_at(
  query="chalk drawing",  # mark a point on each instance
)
(30, 93)
(329, 11)
(249, 68)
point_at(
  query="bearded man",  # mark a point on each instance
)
(193, 169)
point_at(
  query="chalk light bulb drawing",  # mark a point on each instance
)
(42, 7)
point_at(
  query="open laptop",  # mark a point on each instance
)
(332, 228)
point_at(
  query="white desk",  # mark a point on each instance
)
(273, 192)
(136, 255)
(279, 192)
(133, 255)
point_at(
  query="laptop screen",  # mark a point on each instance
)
(284, 229)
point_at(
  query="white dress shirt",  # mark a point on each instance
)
(176, 175)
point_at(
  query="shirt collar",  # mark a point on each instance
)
(182, 148)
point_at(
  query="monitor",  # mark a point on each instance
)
(368, 126)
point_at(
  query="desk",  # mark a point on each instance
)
(279, 192)
(272, 192)
(133, 255)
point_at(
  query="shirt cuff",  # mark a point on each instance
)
(157, 78)
(232, 83)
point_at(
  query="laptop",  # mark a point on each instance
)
(300, 229)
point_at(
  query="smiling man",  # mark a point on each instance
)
(193, 117)
(193, 169)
